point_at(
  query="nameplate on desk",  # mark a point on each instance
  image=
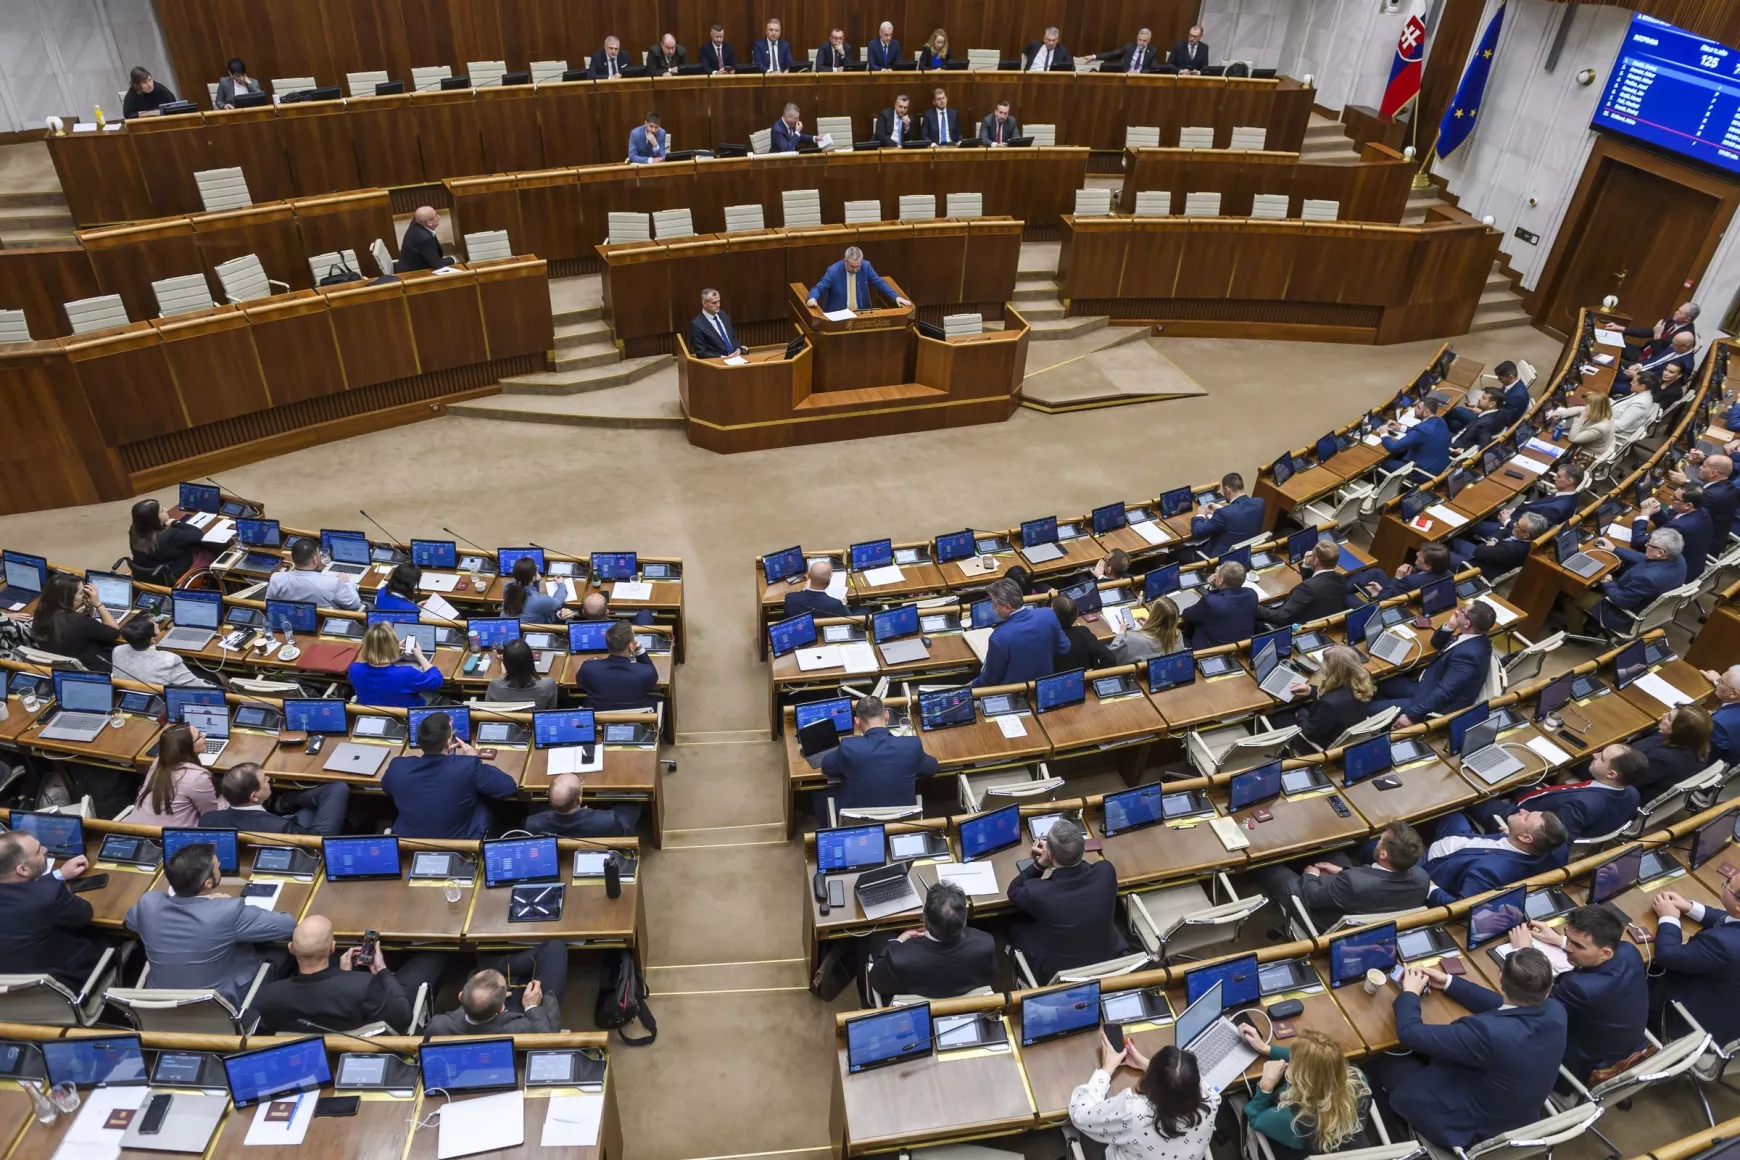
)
(1533, 466)
(735, 360)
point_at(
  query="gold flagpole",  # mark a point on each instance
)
(1421, 180)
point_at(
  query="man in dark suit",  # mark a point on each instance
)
(1047, 55)
(1432, 561)
(788, 132)
(1226, 612)
(944, 959)
(883, 52)
(835, 55)
(718, 56)
(331, 990)
(1680, 351)
(44, 927)
(1026, 642)
(873, 767)
(771, 53)
(1685, 515)
(1334, 886)
(1598, 804)
(420, 250)
(999, 126)
(711, 334)
(1605, 993)
(1238, 519)
(942, 125)
(1323, 591)
(483, 999)
(247, 789)
(1139, 56)
(1190, 55)
(608, 62)
(895, 125)
(1725, 719)
(1721, 494)
(1485, 1073)
(1463, 863)
(595, 609)
(567, 817)
(667, 56)
(847, 285)
(1702, 973)
(444, 793)
(1554, 509)
(1454, 678)
(1642, 577)
(1073, 905)
(1494, 558)
(623, 680)
(1425, 446)
(1517, 399)
(1646, 340)
(1489, 419)
(813, 597)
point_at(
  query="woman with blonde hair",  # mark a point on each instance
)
(1591, 430)
(936, 50)
(388, 675)
(1344, 694)
(177, 789)
(1157, 636)
(1310, 1100)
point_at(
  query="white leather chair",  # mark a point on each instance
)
(739, 218)
(629, 227)
(1043, 134)
(320, 265)
(1093, 202)
(1109, 969)
(1142, 137)
(840, 129)
(673, 223)
(188, 1012)
(997, 788)
(46, 1001)
(965, 205)
(1539, 1138)
(211, 88)
(13, 326)
(1202, 205)
(761, 142)
(100, 313)
(1234, 747)
(362, 84)
(1320, 210)
(488, 244)
(545, 71)
(1269, 206)
(281, 85)
(862, 212)
(1248, 137)
(1153, 203)
(244, 279)
(485, 73)
(917, 207)
(957, 325)
(424, 79)
(221, 189)
(982, 59)
(803, 207)
(382, 256)
(1185, 919)
(1196, 137)
(182, 295)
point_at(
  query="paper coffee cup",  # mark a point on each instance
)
(1374, 980)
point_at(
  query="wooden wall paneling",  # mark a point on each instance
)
(957, 171)
(667, 186)
(100, 176)
(347, 221)
(448, 134)
(601, 194)
(191, 39)
(38, 281)
(618, 107)
(1244, 103)
(566, 123)
(515, 298)
(1267, 254)
(446, 320)
(1097, 260)
(127, 259)
(901, 171)
(1153, 104)
(724, 181)
(170, 150)
(637, 291)
(1288, 113)
(476, 29)
(788, 171)
(737, 109)
(697, 264)
(1331, 266)
(551, 221)
(365, 36)
(544, 31)
(778, 90)
(1046, 99)
(1210, 257)
(1097, 107)
(1043, 195)
(319, 147)
(507, 121)
(1153, 261)
(993, 256)
(375, 344)
(931, 269)
(248, 139)
(387, 151)
(298, 351)
(214, 362)
(428, 35)
(270, 232)
(127, 380)
(758, 276)
(298, 35)
(51, 455)
(488, 203)
(1196, 105)
(684, 106)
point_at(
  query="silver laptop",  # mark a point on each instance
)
(187, 1127)
(186, 639)
(904, 651)
(886, 890)
(1583, 564)
(215, 724)
(73, 725)
(1040, 553)
(1221, 1055)
(1273, 677)
(1482, 755)
(1392, 647)
(343, 569)
(355, 758)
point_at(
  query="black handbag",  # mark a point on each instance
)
(338, 274)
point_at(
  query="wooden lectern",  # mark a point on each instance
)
(871, 349)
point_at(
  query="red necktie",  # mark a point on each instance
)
(1535, 793)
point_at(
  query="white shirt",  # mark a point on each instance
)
(1444, 847)
(1699, 913)
(1041, 60)
(1125, 1123)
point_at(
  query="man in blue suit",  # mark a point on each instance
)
(1233, 522)
(1489, 1071)
(623, 680)
(1555, 508)
(444, 793)
(1701, 973)
(848, 282)
(788, 132)
(772, 54)
(1725, 721)
(1721, 494)
(569, 817)
(1025, 644)
(941, 124)
(608, 62)
(44, 927)
(1454, 678)
(873, 767)
(883, 52)
(1605, 993)
(718, 56)
(1596, 805)
(711, 334)
(1462, 863)
(1227, 611)
(646, 144)
(1686, 516)
(1425, 446)
(1517, 399)
(1432, 561)
(835, 55)
(1640, 579)
(813, 598)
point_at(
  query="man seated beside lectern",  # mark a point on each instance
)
(847, 285)
(711, 334)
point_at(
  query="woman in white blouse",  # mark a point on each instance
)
(1634, 412)
(1169, 1115)
(1591, 425)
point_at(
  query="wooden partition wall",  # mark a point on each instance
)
(146, 168)
(1375, 190)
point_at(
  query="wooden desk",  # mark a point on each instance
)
(1298, 824)
(401, 910)
(380, 1127)
(1057, 1067)
(953, 1096)
(1374, 1016)
(126, 885)
(983, 743)
(423, 1142)
(1375, 190)
(586, 913)
(1205, 700)
(113, 748)
(1166, 852)
(1097, 722)
(1429, 788)
(869, 350)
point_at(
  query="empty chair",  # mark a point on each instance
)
(1234, 747)
(955, 325)
(211, 91)
(1318, 210)
(244, 280)
(1153, 203)
(487, 244)
(485, 73)
(88, 314)
(221, 189)
(1043, 134)
(362, 84)
(424, 79)
(761, 142)
(1202, 205)
(803, 207)
(1093, 202)
(839, 128)
(1185, 919)
(180, 295)
(1267, 205)
(673, 223)
(190, 1012)
(335, 262)
(1142, 137)
(917, 207)
(46, 1001)
(1196, 137)
(382, 256)
(966, 205)
(545, 71)
(739, 218)
(982, 59)
(859, 212)
(282, 85)
(13, 326)
(1108, 969)
(979, 792)
(840, 817)
(629, 227)
(1248, 137)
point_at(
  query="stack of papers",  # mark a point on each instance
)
(1151, 531)
(858, 657)
(482, 1124)
(1610, 337)
(1439, 512)
(1011, 725)
(1656, 686)
(629, 590)
(877, 577)
(571, 759)
(731, 360)
(838, 315)
(221, 532)
(436, 606)
(1618, 533)
(1533, 466)
(972, 877)
(572, 1121)
(1503, 614)
(562, 588)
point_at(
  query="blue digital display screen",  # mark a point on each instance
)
(1171, 670)
(1049, 1014)
(478, 1065)
(779, 565)
(1254, 787)
(520, 860)
(614, 565)
(586, 636)
(506, 558)
(947, 707)
(838, 709)
(1616, 875)
(899, 1033)
(1109, 518)
(850, 848)
(458, 716)
(1282, 639)
(62, 835)
(295, 615)
(1352, 955)
(372, 857)
(1039, 531)
(1438, 596)
(259, 533)
(791, 635)
(1175, 501)
(316, 716)
(983, 614)
(1059, 691)
(990, 832)
(254, 1076)
(494, 631)
(88, 1062)
(223, 841)
(563, 727)
(176, 702)
(434, 553)
(1366, 759)
(1676, 90)
(871, 554)
(1463, 722)
(1495, 917)
(895, 623)
(954, 546)
(1160, 581)
(196, 609)
(1242, 983)
(200, 497)
(1301, 542)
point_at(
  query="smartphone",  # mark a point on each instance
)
(365, 954)
(1114, 1033)
(88, 882)
(316, 742)
(156, 1111)
(337, 1105)
(836, 892)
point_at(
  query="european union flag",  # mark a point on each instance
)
(1464, 110)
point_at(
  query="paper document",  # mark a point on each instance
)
(483, 1124)
(972, 877)
(1552, 753)
(448, 270)
(1151, 531)
(1373, 440)
(1555, 955)
(1544, 447)
(572, 1121)
(1605, 360)
(838, 315)
(1610, 337)
(221, 532)
(435, 606)
(825, 657)
(282, 1133)
(973, 566)
(571, 759)
(1618, 533)
(562, 588)
(877, 577)
(87, 127)
(1227, 830)
(1657, 686)
(630, 590)
(730, 360)
(87, 1136)
(112, 127)
(1503, 614)
(858, 657)
(265, 901)
(439, 581)
(979, 640)
(201, 519)
(1439, 512)
(1011, 725)
(1533, 466)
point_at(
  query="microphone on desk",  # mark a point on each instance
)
(377, 524)
(406, 1059)
(473, 543)
(217, 485)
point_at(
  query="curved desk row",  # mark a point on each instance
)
(1375, 190)
(145, 169)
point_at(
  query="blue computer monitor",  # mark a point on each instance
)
(506, 558)
(615, 565)
(256, 1076)
(200, 497)
(1254, 787)
(1241, 982)
(222, 841)
(23, 571)
(1301, 542)
(1040, 531)
(1059, 691)
(259, 533)
(347, 547)
(84, 692)
(493, 631)
(1131, 809)
(1171, 671)
(792, 634)
(435, 553)
(947, 707)
(871, 554)
(1438, 596)
(563, 727)
(458, 716)
(177, 701)
(1630, 663)
(355, 859)
(1109, 518)
(891, 1036)
(62, 835)
(1494, 918)
(839, 710)
(1282, 638)
(1616, 875)
(587, 636)
(1357, 619)
(295, 615)
(319, 715)
(982, 614)
(1554, 695)
(1365, 759)
(196, 609)
(111, 1059)
(1179, 499)
(1463, 722)
(1239, 556)
(1160, 581)
(850, 848)
(955, 546)
(1352, 955)
(1060, 1011)
(1712, 837)
(476, 1065)
(777, 566)
(988, 833)
(510, 860)
(1087, 597)
(895, 623)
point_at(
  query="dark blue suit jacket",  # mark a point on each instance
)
(1517, 401)
(1023, 648)
(881, 58)
(1231, 523)
(764, 62)
(1490, 1070)
(710, 56)
(1586, 810)
(46, 929)
(1494, 560)
(1725, 733)
(931, 124)
(1221, 617)
(1555, 509)
(877, 769)
(600, 66)
(1702, 972)
(1693, 526)
(1453, 680)
(1639, 581)
(787, 141)
(1608, 1007)
(615, 822)
(1074, 916)
(1426, 445)
(704, 338)
(1483, 429)
(1468, 872)
(815, 602)
(442, 796)
(826, 61)
(1721, 500)
(618, 682)
(830, 292)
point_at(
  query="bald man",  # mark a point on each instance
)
(421, 250)
(813, 597)
(1680, 350)
(1721, 494)
(330, 990)
(595, 605)
(1725, 721)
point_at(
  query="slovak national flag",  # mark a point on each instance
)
(1405, 71)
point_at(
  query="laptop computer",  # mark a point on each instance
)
(886, 890)
(892, 1036)
(1039, 540)
(1204, 1030)
(25, 576)
(1483, 756)
(1273, 676)
(175, 1121)
(356, 758)
(1571, 556)
(215, 724)
(897, 636)
(1393, 646)
(350, 552)
(196, 616)
(85, 700)
(114, 591)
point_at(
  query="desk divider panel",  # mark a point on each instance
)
(373, 329)
(270, 232)
(212, 357)
(507, 120)
(387, 151)
(446, 131)
(297, 348)
(249, 140)
(126, 376)
(127, 259)
(319, 141)
(446, 320)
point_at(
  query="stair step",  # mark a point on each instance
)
(1055, 329)
(585, 379)
(1498, 295)
(1491, 318)
(37, 197)
(31, 239)
(585, 333)
(584, 314)
(1036, 292)
(580, 357)
(35, 217)
(1042, 311)
(641, 405)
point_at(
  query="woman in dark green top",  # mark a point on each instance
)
(1310, 1099)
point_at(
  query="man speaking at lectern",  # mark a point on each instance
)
(847, 285)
